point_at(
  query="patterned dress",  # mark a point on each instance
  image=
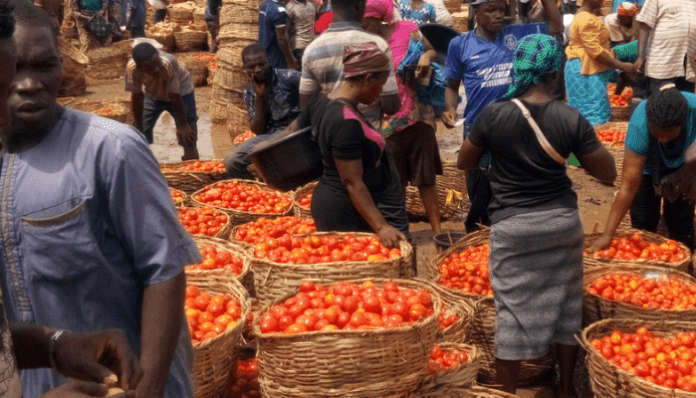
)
(422, 16)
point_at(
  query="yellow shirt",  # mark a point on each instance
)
(589, 38)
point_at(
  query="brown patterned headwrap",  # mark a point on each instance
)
(364, 58)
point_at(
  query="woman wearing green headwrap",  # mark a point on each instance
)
(536, 238)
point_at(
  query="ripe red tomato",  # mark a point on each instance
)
(207, 316)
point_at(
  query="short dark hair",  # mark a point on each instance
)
(252, 49)
(667, 108)
(7, 19)
(344, 4)
(27, 14)
(143, 52)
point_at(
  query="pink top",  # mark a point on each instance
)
(369, 131)
(398, 41)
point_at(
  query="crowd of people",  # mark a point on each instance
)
(90, 239)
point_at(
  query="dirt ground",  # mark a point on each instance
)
(594, 198)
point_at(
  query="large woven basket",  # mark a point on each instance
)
(274, 280)
(453, 5)
(245, 245)
(181, 13)
(213, 358)
(619, 113)
(224, 276)
(217, 109)
(596, 308)
(483, 327)
(230, 77)
(461, 21)
(115, 110)
(613, 126)
(227, 97)
(589, 262)
(463, 375)
(189, 181)
(238, 35)
(184, 198)
(610, 381)
(451, 194)
(190, 40)
(242, 217)
(74, 70)
(380, 363)
(457, 305)
(475, 391)
(239, 15)
(107, 63)
(224, 232)
(301, 211)
(197, 67)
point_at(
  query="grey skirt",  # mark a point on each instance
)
(536, 275)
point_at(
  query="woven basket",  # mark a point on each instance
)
(619, 113)
(119, 111)
(451, 194)
(245, 245)
(612, 126)
(464, 308)
(274, 280)
(223, 276)
(181, 13)
(610, 381)
(461, 21)
(237, 121)
(242, 217)
(453, 6)
(596, 308)
(213, 358)
(197, 67)
(239, 15)
(74, 70)
(237, 36)
(189, 181)
(190, 40)
(224, 232)
(475, 391)
(380, 363)
(166, 40)
(217, 109)
(230, 78)
(483, 327)
(107, 63)
(184, 201)
(301, 192)
(589, 262)
(463, 375)
(226, 97)
(230, 57)
(199, 16)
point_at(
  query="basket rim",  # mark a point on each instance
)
(259, 185)
(167, 166)
(302, 191)
(437, 305)
(239, 326)
(223, 229)
(473, 352)
(649, 236)
(248, 246)
(226, 245)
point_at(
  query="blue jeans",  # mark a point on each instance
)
(138, 11)
(236, 161)
(152, 109)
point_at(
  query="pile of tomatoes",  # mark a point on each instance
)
(445, 359)
(209, 316)
(306, 201)
(202, 220)
(218, 259)
(177, 196)
(444, 320)
(205, 57)
(315, 249)
(244, 381)
(244, 197)
(619, 100)
(205, 166)
(264, 229)
(612, 136)
(467, 271)
(244, 137)
(668, 293)
(668, 362)
(635, 247)
(347, 306)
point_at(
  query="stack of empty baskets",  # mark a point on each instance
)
(239, 27)
(460, 16)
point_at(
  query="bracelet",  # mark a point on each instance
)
(52, 347)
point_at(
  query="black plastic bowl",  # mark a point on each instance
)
(290, 162)
(443, 240)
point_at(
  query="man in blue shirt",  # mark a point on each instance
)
(272, 35)
(482, 59)
(272, 98)
(659, 168)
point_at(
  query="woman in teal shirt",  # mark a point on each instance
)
(659, 163)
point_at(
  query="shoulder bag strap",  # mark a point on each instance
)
(540, 136)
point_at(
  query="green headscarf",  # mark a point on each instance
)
(536, 56)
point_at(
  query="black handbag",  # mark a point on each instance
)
(99, 27)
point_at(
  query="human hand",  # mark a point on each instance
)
(390, 236)
(638, 65)
(186, 135)
(600, 244)
(449, 118)
(84, 389)
(98, 356)
(423, 66)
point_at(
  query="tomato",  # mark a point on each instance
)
(193, 220)
(251, 198)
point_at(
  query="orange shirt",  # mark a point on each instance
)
(589, 37)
